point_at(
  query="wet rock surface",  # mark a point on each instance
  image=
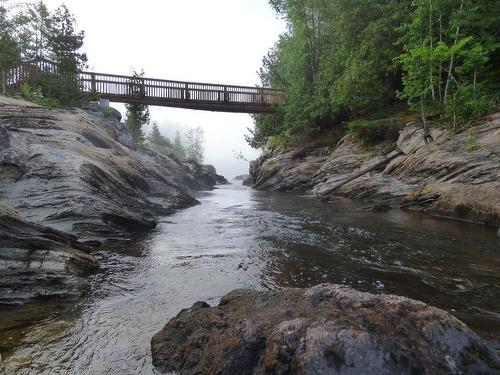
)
(39, 262)
(326, 329)
(78, 172)
(457, 175)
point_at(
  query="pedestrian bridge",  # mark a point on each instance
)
(158, 92)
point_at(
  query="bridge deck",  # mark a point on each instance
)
(159, 92)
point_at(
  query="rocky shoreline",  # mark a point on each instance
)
(457, 175)
(71, 181)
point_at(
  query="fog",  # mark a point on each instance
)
(219, 41)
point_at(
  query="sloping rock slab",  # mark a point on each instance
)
(326, 329)
(38, 262)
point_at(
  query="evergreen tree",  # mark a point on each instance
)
(178, 148)
(157, 141)
(10, 51)
(35, 24)
(65, 42)
(137, 114)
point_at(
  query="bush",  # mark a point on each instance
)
(36, 96)
(369, 132)
(469, 104)
(65, 89)
(471, 140)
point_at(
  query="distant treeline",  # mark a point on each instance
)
(348, 59)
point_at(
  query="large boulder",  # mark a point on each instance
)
(326, 329)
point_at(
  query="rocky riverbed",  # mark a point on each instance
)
(326, 329)
(456, 175)
(70, 181)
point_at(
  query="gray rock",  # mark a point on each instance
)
(444, 178)
(326, 329)
(38, 262)
(75, 171)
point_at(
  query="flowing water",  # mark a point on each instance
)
(237, 238)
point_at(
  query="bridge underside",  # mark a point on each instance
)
(202, 105)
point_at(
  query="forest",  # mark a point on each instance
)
(344, 60)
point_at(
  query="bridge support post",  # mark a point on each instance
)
(186, 91)
(226, 96)
(92, 83)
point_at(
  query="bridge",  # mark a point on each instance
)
(156, 92)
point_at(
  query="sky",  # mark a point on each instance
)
(215, 41)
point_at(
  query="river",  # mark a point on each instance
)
(238, 237)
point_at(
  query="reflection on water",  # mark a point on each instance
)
(241, 238)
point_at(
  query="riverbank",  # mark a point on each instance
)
(457, 175)
(72, 181)
(245, 238)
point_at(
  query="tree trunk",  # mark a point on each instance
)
(440, 62)
(427, 134)
(3, 81)
(450, 67)
(431, 79)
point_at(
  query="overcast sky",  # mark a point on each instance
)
(216, 41)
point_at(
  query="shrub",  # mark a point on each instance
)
(471, 140)
(369, 132)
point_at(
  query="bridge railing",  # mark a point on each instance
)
(125, 88)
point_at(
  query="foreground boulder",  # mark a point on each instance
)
(326, 329)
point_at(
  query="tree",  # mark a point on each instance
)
(137, 114)
(65, 42)
(194, 148)
(450, 47)
(157, 141)
(10, 51)
(179, 150)
(35, 28)
(335, 61)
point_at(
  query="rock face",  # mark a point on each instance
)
(457, 175)
(326, 329)
(72, 171)
(39, 262)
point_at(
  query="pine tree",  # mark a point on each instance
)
(137, 114)
(65, 42)
(10, 51)
(157, 141)
(179, 150)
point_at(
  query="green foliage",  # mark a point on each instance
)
(471, 140)
(65, 42)
(108, 112)
(194, 144)
(369, 132)
(342, 59)
(449, 60)
(65, 90)
(137, 114)
(36, 96)
(335, 60)
(178, 147)
(158, 142)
